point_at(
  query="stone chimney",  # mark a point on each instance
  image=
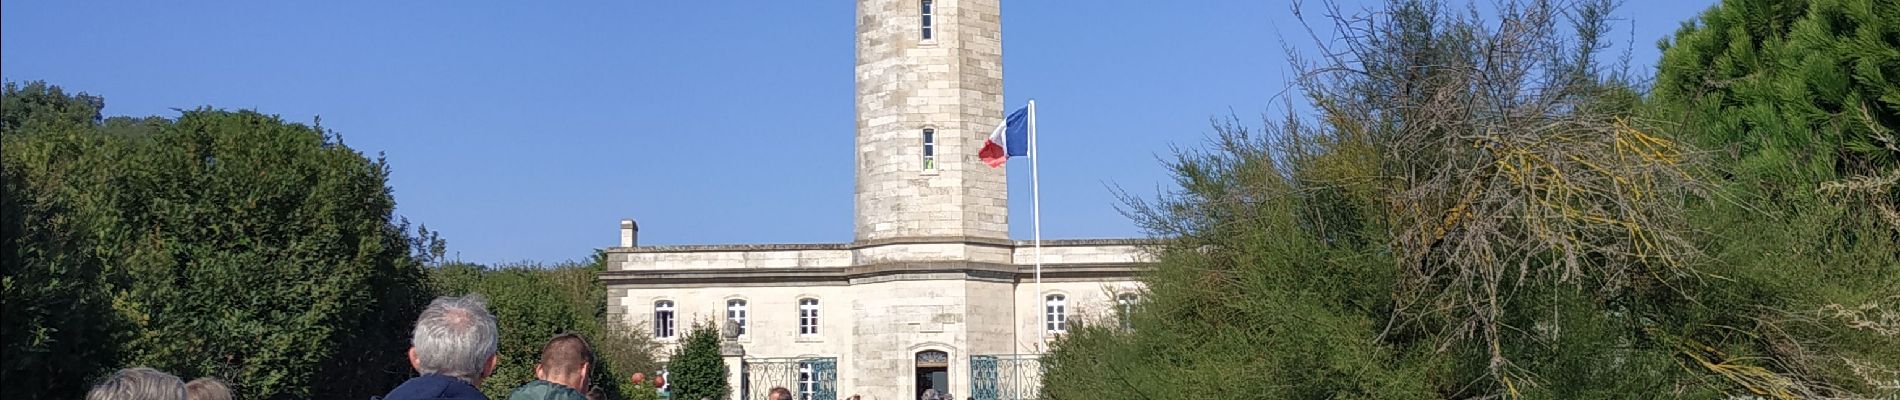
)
(629, 233)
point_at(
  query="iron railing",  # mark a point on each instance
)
(808, 378)
(1006, 376)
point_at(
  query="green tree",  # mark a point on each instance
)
(696, 369)
(532, 303)
(1469, 211)
(60, 330)
(229, 244)
(1801, 102)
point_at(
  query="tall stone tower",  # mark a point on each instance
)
(932, 256)
(929, 89)
(931, 294)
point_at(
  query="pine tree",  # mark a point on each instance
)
(1799, 102)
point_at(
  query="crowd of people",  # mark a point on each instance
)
(147, 383)
(453, 348)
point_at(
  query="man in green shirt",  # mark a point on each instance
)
(562, 372)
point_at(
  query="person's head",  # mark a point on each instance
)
(138, 384)
(780, 393)
(207, 388)
(565, 360)
(455, 337)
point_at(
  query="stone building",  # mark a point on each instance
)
(931, 293)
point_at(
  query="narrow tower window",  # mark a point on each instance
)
(928, 24)
(930, 149)
(1057, 308)
(663, 319)
(808, 316)
(735, 311)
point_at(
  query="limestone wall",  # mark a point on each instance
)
(772, 313)
(1114, 251)
(896, 319)
(1086, 299)
(931, 252)
(951, 84)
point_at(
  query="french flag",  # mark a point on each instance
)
(1011, 139)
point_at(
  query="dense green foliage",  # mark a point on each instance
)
(534, 303)
(59, 320)
(696, 369)
(230, 244)
(237, 245)
(1474, 210)
(1799, 103)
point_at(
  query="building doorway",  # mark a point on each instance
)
(933, 372)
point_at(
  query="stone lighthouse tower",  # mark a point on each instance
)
(930, 294)
(932, 237)
(929, 89)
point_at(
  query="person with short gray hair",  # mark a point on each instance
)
(138, 383)
(207, 388)
(453, 347)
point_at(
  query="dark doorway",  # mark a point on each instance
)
(933, 372)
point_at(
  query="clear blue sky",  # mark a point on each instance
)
(526, 130)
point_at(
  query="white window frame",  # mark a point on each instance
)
(928, 10)
(1127, 303)
(736, 312)
(665, 317)
(808, 317)
(1056, 313)
(930, 149)
(807, 381)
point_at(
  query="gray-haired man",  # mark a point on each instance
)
(138, 384)
(453, 347)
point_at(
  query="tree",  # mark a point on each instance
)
(1471, 209)
(696, 369)
(532, 303)
(61, 330)
(1801, 102)
(229, 244)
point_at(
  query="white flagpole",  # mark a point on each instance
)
(1035, 212)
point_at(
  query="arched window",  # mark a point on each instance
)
(663, 319)
(1056, 308)
(807, 316)
(735, 312)
(1127, 303)
(929, 11)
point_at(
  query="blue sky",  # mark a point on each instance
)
(526, 130)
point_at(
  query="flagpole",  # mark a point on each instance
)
(1035, 215)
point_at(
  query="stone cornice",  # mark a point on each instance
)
(1021, 244)
(885, 271)
(965, 240)
(704, 248)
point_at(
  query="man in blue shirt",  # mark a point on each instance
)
(453, 346)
